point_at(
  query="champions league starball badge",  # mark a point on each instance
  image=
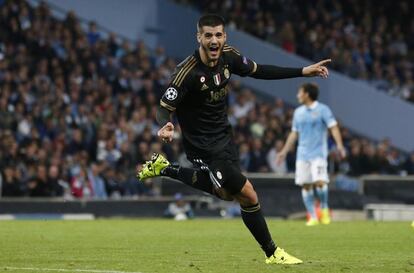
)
(171, 93)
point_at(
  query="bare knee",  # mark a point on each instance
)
(307, 187)
(247, 196)
(320, 184)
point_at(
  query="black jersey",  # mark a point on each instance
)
(198, 94)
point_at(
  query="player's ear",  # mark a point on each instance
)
(198, 37)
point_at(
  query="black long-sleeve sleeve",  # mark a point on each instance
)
(163, 116)
(273, 72)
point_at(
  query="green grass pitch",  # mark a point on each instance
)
(201, 245)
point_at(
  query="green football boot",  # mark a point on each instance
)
(153, 167)
(325, 217)
(282, 257)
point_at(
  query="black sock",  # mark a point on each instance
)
(253, 218)
(170, 171)
(192, 177)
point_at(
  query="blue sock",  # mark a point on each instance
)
(309, 202)
(322, 193)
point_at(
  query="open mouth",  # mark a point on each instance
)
(214, 49)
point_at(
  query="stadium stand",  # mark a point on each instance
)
(371, 41)
(77, 113)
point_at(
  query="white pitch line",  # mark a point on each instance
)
(65, 270)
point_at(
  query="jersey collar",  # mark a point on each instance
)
(313, 105)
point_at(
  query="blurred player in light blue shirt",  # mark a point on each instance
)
(311, 122)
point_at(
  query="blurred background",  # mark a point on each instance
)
(80, 82)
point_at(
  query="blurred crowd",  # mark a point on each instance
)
(368, 40)
(77, 113)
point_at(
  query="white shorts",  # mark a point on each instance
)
(311, 171)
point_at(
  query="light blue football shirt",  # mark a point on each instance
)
(312, 123)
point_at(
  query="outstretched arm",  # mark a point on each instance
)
(272, 72)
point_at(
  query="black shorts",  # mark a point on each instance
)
(226, 169)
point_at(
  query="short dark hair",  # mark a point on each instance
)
(211, 20)
(312, 89)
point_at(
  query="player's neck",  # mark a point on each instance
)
(309, 103)
(204, 58)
